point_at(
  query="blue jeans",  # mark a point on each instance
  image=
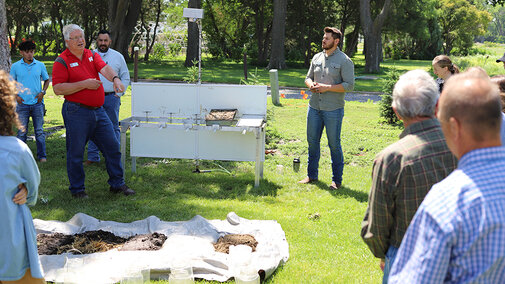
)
(111, 106)
(390, 259)
(36, 111)
(316, 121)
(81, 126)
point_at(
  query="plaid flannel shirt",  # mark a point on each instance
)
(402, 175)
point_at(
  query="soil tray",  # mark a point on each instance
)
(225, 117)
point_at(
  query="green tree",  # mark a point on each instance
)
(460, 22)
(306, 20)
(230, 25)
(150, 16)
(20, 17)
(372, 30)
(277, 58)
(412, 31)
(123, 16)
(496, 28)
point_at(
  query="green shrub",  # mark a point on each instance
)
(385, 109)
(174, 48)
(192, 73)
(159, 52)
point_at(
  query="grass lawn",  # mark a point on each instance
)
(327, 249)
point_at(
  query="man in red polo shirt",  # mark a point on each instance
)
(75, 76)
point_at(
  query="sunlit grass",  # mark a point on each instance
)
(325, 250)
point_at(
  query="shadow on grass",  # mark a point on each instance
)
(226, 180)
(166, 188)
(343, 191)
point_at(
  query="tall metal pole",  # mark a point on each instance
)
(199, 22)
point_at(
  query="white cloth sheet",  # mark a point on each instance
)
(188, 241)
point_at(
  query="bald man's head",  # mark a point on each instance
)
(475, 102)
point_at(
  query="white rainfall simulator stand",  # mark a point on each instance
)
(168, 121)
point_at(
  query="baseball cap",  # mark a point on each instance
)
(501, 59)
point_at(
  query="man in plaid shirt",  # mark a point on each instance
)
(457, 235)
(404, 172)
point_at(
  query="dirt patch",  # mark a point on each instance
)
(224, 243)
(96, 241)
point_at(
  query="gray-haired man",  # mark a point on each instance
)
(404, 172)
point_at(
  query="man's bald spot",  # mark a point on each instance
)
(474, 101)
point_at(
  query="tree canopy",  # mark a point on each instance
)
(417, 29)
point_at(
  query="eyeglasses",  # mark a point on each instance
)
(76, 38)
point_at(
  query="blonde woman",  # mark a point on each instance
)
(443, 68)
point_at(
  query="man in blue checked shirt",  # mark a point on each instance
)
(458, 233)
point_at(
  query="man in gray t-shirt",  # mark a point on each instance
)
(330, 75)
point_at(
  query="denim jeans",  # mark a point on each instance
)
(81, 126)
(390, 259)
(332, 121)
(111, 106)
(36, 111)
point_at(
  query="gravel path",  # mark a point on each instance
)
(295, 93)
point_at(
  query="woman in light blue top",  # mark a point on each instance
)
(19, 182)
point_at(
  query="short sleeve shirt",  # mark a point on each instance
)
(29, 75)
(77, 70)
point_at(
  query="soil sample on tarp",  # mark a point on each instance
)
(51, 243)
(223, 243)
(152, 241)
(95, 241)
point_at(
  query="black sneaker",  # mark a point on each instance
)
(80, 195)
(124, 189)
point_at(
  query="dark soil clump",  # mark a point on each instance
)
(95, 241)
(51, 243)
(224, 242)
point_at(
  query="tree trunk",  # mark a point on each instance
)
(352, 41)
(149, 47)
(372, 32)
(123, 16)
(277, 59)
(145, 26)
(193, 36)
(5, 58)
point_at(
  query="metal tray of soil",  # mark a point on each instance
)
(224, 117)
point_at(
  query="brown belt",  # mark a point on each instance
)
(82, 105)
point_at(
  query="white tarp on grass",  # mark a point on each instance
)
(187, 241)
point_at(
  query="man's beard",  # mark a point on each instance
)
(103, 48)
(329, 46)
